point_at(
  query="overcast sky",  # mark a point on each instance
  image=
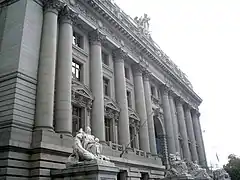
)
(203, 38)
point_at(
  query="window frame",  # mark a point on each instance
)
(80, 70)
(78, 40)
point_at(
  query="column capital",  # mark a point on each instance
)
(67, 15)
(96, 37)
(52, 5)
(179, 100)
(187, 106)
(138, 69)
(119, 55)
(146, 75)
(195, 111)
(165, 89)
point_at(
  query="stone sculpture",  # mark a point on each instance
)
(143, 24)
(221, 174)
(178, 167)
(86, 147)
(197, 172)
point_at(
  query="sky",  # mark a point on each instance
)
(203, 38)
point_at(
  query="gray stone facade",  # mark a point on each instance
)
(66, 64)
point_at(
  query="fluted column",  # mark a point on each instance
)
(151, 129)
(168, 120)
(63, 105)
(46, 67)
(121, 96)
(96, 78)
(141, 108)
(174, 121)
(198, 136)
(190, 131)
(183, 129)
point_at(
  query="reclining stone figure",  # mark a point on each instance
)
(86, 147)
(178, 167)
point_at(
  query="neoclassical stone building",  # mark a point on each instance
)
(70, 64)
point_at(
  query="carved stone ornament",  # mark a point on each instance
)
(197, 172)
(86, 147)
(178, 167)
(119, 54)
(66, 14)
(133, 115)
(96, 37)
(221, 174)
(81, 95)
(52, 5)
(111, 109)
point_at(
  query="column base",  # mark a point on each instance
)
(64, 133)
(44, 128)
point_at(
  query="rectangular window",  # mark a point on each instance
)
(127, 75)
(106, 86)
(129, 99)
(76, 71)
(108, 129)
(105, 58)
(76, 119)
(78, 40)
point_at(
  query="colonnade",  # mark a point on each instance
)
(183, 123)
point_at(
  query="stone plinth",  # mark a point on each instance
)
(183, 177)
(94, 170)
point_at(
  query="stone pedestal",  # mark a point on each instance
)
(94, 170)
(183, 177)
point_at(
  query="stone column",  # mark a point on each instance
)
(121, 96)
(183, 129)
(168, 120)
(198, 136)
(141, 107)
(63, 104)
(46, 67)
(96, 78)
(174, 121)
(190, 131)
(148, 100)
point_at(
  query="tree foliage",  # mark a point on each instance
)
(233, 167)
